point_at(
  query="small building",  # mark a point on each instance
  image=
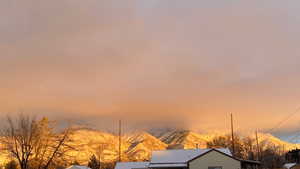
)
(78, 167)
(132, 165)
(192, 159)
(199, 159)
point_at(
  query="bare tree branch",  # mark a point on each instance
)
(33, 142)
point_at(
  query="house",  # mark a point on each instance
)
(132, 165)
(78, 167)
(198, 159)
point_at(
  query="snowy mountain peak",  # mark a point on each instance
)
(138, 145)
(187, 139)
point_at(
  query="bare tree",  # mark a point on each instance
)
(33, 143)
(53, 149)
(241, 147)
(19, 138)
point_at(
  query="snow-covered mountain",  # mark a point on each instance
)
(139, 145)
(267, 139)
(185, 139)
(142, 144)
(88, 142)
(135, 146)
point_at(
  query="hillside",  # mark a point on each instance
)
(185, 139)
(267, 139)
(142, 144)
(89, 142)
(137, 146)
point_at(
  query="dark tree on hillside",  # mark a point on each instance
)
(94, 163)
(75, 163)
(11, 165)
(110, 165)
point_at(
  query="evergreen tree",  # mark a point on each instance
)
(11, 165)
(75, 163)
(94, 163)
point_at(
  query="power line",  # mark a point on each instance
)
(295, 136)
(284, 120)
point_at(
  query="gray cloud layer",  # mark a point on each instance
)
(187, 62)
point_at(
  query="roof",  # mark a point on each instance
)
(78, 167)
(289, 165)
(181, 156)
(132, 165)
(169, 165)
(250, 161)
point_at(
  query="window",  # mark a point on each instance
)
(215, 167)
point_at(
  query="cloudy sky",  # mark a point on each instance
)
(185, 63)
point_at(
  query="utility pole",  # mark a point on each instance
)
(232, 135)
(120, 139)
(100, 151)
(257, 145)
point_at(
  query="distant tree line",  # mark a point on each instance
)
(270, 156)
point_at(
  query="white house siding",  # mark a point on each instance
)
(214, 159)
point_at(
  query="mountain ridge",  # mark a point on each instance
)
(138, 145)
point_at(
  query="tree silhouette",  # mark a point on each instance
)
(94, 163)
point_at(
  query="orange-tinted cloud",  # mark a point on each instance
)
(190, 63)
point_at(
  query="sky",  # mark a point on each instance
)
(153, 62)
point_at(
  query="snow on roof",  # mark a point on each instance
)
(181, 156)
(167, 165)
(289, 165)
(132, 165)
(78, 167)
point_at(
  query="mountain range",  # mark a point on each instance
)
(138, 145)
